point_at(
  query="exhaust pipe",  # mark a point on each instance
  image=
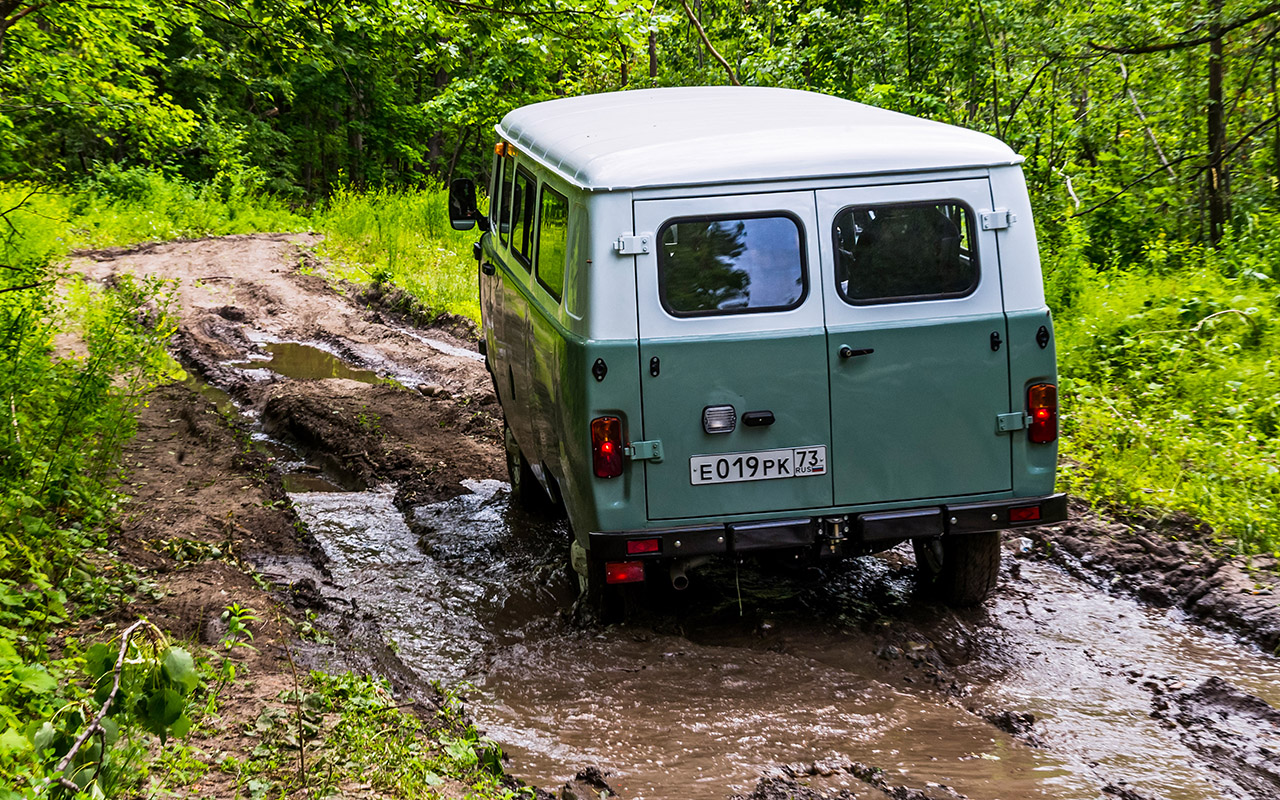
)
(679, 581)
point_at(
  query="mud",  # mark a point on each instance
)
(396, 536)
(1171, 562)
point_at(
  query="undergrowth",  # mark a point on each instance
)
(1171, 383)
(343, 734)
(402, 237)
(77, 360)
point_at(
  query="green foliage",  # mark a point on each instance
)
(352, 731)
(1171, 385)
(402, 237)
(77, 361)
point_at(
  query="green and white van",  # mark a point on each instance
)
(727, 321)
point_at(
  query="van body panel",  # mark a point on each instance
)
(752, 361)
(916, 415)
(1021, 278)
(610, 288)
(1034, 464)
(773, 373)
(598, 503)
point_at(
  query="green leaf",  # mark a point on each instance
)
(181, 726)
(163, 708)
(44, 737)
(35, 679)
(180, 669)
(99, 660)
(13, 743)
(110, 730)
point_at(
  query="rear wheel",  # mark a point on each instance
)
(525, 489)
(606, 602)
(961, 570)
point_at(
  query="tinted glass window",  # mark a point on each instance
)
(908, 252)
(723, 266)
(498, 202)
(553, 235)
(509, 200)
(522, 203)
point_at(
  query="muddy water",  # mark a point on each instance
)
(306, 362)
(697, 701)
(750, 671)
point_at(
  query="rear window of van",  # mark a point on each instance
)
(727, 265)
(920, 251)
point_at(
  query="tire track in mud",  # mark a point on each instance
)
(840, 684)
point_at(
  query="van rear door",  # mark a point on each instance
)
(732, 356)
(916, 342)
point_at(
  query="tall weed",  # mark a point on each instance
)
(64, 414)
(1171, 385)
(402, 237)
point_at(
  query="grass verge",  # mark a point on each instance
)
(402, 237)
(1171, 384)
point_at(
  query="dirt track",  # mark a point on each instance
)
(840, 663)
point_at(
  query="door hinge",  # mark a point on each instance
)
(1012, 422)
(630, 244)
(998, 220)
(644, 451)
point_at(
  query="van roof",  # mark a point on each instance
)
(728, 134)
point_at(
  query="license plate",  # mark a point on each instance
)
(760, 465)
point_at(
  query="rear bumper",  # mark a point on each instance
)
(830, 535)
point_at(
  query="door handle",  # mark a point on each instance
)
(754, 419)
(487, 267)
(848, 352)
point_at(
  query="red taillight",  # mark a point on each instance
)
(638, 547)
(623, 571)
(606, 446)
(1024, 514)
(1042, 405)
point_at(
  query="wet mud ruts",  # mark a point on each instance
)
(1170, 562)
(865, 688)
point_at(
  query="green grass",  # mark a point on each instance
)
(353, 735)
(1171, 386)
(402, 237)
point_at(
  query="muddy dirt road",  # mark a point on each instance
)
(752, 682)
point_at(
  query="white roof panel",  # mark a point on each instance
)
(718, 134)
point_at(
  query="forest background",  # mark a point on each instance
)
(1150, 128)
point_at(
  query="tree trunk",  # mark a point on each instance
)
(653, 54)
(1217, 129)
(1275, 132)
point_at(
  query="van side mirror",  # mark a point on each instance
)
(463, 211)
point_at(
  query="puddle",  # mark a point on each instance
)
(699, 703)
(306, 362)
(220, 399)
(715, 711)
(443, 599)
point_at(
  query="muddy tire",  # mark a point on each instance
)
(525, 489)
(959, 570)
(597, 601)
(608, 602)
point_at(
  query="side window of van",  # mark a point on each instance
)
(522, 206)
(511, 209)
(718, 265)
(553, 236)
(922, 251)
(498, 211)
